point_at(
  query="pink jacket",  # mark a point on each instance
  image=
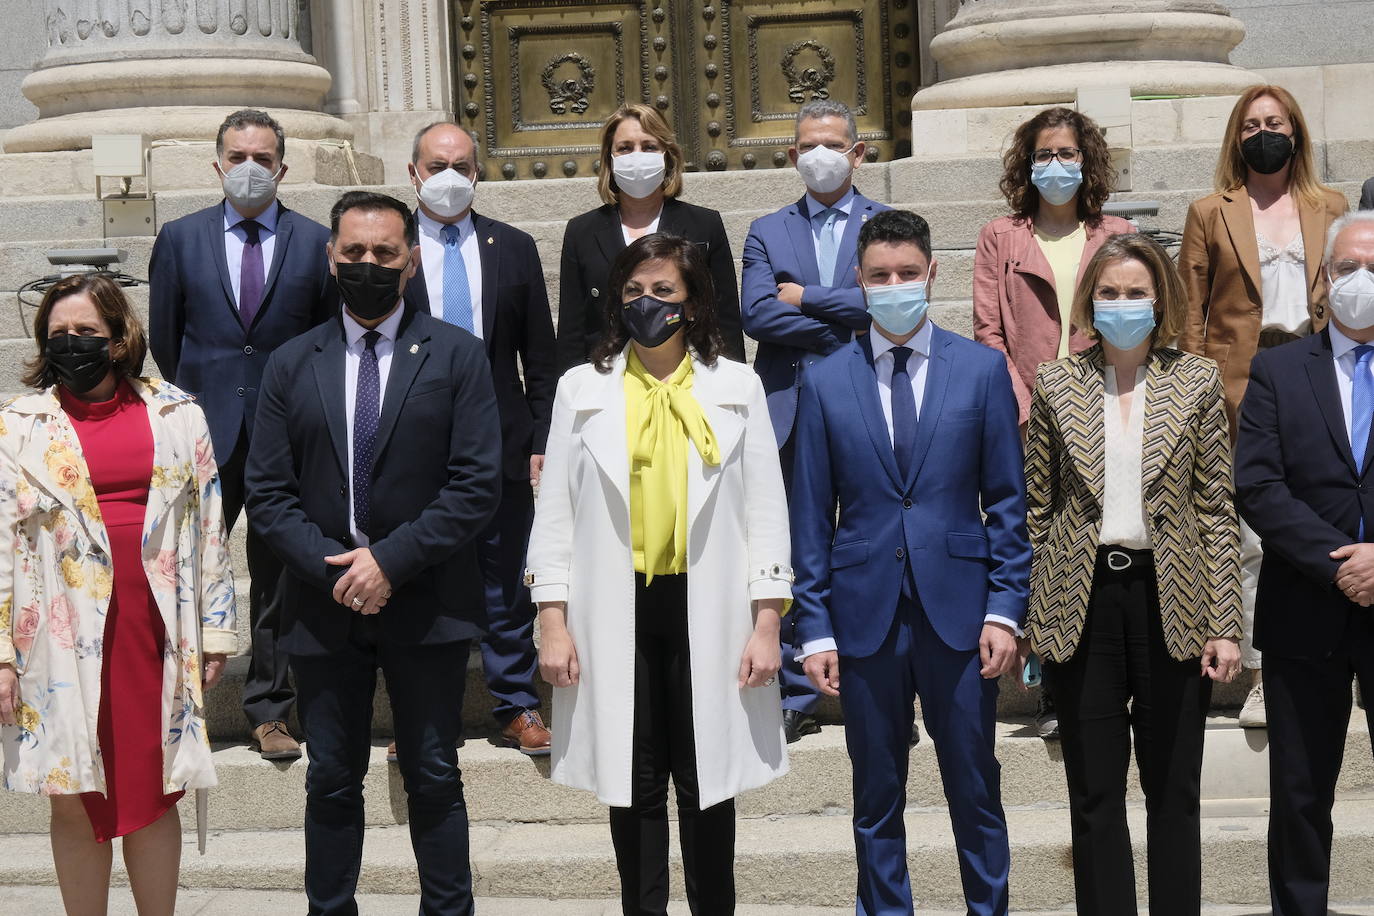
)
(1015, 309)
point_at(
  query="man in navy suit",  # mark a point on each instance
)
(1303, 482)
(485, 277)
(800, 301)
(375, 466)
(228, 285)
(912, 430)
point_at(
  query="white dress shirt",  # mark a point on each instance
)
(814, 207)
(916, 365)
(649, 230)
(1123, 503)
(235, 237)
(1283, 285)
(432, 259)
(353, 334)
(1343, 352)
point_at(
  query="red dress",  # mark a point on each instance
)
(117, 441)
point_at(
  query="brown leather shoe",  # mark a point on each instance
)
(526, 733)
(274, 742)
(391, 752)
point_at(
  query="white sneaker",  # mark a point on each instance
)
(1252, 713)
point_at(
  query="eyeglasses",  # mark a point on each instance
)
(1347, 267)
(1065, 154)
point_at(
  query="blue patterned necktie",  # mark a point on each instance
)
(1361, 405)
(366, 408)
(829, 245)
(903, 411)
(457, 293)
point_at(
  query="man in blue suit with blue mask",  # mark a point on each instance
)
(800, 301)
(920, 587)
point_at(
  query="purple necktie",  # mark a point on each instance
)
(251, 276)
(366, 408)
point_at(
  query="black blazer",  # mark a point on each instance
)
(194, 331)
(1298, 487)
(436, 483)
(517, 330)
(1367, 195)
(590, 245)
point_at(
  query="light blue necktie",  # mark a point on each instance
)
(1361, 410)
(828, 245)
(457, 294)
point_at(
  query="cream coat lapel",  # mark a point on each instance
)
(718, 403)
(602, 399)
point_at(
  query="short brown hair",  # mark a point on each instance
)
(654, 126)
(1171, 301)
(1098, 175)
(128, 343)
(1302, 174)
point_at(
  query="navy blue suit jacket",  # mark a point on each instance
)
(779, 249)
(435, 485)
(517, 332)
(1297, 485)
(195, 334)
(967, 458)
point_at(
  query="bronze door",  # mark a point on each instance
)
(536, 78)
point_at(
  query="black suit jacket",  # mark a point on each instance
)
(1298, 487)
(435, 486)
(1367, 195)
(517, 330)
(194, 331)
(591, 243)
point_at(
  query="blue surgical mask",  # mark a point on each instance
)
(898, 308)
(1056, 181)
(1124, 323)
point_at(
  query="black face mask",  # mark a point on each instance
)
(651, 321)
(1267, 151)
(80, 363)
(369, 290)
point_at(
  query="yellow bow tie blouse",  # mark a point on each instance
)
(660, 418)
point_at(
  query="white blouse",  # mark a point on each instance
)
(1123, 504)
(648, 230)
(1283, 284)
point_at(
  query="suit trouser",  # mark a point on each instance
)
(1308, 703)
(960, 712)
(797, 690)
(664, 742)
(267, 693)
(1121, 681)
(508, 654)
(425, 684)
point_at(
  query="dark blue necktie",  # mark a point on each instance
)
(366, 407)
(903, 411)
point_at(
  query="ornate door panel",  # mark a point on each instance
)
(537, 77)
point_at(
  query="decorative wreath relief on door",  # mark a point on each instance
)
(810, 79)
(570, 93)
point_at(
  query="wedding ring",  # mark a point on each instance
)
(358, 602)
(770, 682)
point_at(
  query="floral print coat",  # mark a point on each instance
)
(56, 576)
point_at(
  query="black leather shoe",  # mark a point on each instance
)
(915, 734)
(796, 723)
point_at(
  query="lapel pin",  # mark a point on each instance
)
(414, 348)
(865, 218)
(490, 240)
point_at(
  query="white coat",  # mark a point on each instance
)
(738, 551)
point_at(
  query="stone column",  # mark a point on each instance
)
(170, 69)
(1002, 53)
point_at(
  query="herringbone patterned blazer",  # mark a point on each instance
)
(1187, 488)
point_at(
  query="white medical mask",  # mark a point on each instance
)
(1352, 299)
(824, 170)
(638, 174)
(1124, 323)
(249, 186)
(446, 193)
(898, 308)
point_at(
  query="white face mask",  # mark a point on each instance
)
(446, 193)
(638, 174)
(1352, 299)
(823, 169)
(249, 186)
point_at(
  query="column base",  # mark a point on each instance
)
(74, 131)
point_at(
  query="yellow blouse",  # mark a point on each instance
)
(660, 417)
(1064, 253)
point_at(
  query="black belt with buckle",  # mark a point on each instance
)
(1120, 559)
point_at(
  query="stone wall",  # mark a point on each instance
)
(1303, 33)
(24, 45)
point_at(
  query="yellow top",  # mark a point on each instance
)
(1064, 254)
(660, 417)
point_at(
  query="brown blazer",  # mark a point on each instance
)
(1219, 262)
(1015, 308)
(1185, 482)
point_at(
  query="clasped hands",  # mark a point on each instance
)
(1355, 576)
(997, 652)
(364, 587)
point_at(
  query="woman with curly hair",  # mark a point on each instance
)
(1056, 177)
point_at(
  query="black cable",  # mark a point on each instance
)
(41, 286)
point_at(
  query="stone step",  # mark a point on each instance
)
(797, 860)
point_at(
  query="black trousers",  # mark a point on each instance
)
(425, 684)
(1308, 705)
(1122, 682)
(664, 743)
(267, 693)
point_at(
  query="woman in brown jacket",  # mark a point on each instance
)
(1249, 261)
